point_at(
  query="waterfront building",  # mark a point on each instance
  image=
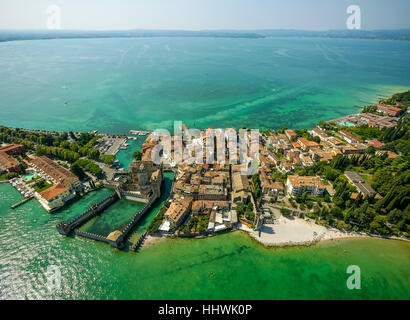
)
(54, 197)
(374, 120)
(312, 185)
(53, 172)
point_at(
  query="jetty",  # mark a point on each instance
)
(65, 228)
(18, 204)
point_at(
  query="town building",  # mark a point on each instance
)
(350, 138)
(177, 212)
(270, 187)
(375, 143)
(203, 207)
(312, 185)
(316, 132)
(7, 162)
(240, 188)
(334, 141)
(355, 179)
(291, 135)
(388, 109)
(306, 144)
(390, 154)
(12, 149)
(211, 192)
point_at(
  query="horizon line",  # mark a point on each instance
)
(207, 30)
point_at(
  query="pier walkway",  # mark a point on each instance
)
(18, 204)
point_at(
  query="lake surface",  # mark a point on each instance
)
(229, 266)
(114, 85)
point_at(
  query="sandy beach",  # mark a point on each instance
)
(296, 231)
(289, 232)
(151, 240)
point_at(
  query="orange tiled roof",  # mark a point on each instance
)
(298, 181)
(8, 162)
(307, 143)
(53, 192)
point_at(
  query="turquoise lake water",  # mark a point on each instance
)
(230, 266)
(114, 85)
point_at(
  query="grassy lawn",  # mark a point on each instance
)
(367, 177)
(44, 186)
(3, 177)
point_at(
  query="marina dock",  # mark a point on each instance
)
(139, 132)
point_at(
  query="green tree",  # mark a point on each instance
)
(137, 155)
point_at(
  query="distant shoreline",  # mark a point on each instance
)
(16, 35)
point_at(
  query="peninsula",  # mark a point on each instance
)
(347, 177)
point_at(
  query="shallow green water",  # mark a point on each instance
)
(230, 266)
(114, 218)
(114, 85)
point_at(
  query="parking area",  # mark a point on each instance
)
(109, 145)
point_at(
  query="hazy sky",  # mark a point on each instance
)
(204, 14)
